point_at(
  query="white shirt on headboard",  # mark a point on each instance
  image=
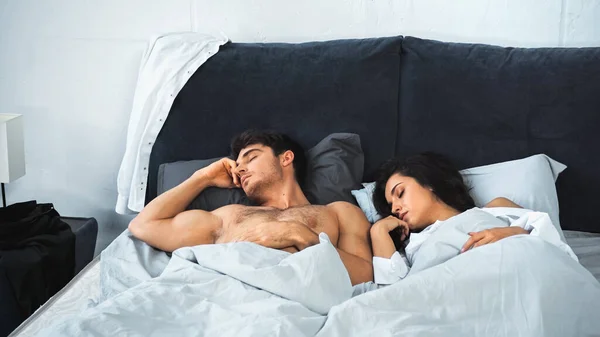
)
(167, 65)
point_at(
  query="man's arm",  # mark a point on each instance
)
(190, 228)
(353, 242)
(165, 224)
(290, 236)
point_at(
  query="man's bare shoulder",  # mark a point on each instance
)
(344, 209)
(230, 209)
(342, 205)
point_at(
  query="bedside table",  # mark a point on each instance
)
(86, 232)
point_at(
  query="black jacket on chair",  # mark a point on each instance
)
(37, 258)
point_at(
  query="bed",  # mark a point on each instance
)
(477, 104)
(587, 248)
(84, 290)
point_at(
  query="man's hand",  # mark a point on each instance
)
(491, 235)
(285, 235)
(386, 225)
(290, 250)
(221, 174)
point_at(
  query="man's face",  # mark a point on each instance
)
(258, 169)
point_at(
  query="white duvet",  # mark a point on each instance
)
(520, 286)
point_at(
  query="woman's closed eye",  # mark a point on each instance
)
(400, 193)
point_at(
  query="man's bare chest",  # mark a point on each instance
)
(314, 217)
(243, 218)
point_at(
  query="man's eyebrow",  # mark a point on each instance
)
(247, 153)
(394, 188)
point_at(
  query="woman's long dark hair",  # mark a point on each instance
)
(431, 170)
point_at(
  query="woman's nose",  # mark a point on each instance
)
(396, 208)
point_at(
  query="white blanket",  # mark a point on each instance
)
(444, 239)
(237, 289)
(520, 286)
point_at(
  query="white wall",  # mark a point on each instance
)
(70, 66)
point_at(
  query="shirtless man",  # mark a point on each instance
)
(268, 168)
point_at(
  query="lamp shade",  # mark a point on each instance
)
(12, 149)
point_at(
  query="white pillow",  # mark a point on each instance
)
(529, 182)
(364, 198)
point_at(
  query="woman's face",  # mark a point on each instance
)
(414, 204)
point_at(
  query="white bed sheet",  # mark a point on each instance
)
(77, 295)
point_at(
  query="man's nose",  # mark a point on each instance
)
(240, 169)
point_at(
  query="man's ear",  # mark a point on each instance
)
(286, 158)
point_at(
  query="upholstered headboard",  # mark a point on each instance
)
(305, 90)
(483, 104)
(478, 104)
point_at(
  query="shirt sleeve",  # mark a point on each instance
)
(388, 271)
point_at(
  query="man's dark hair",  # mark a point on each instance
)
(431, 170)
(278, 142)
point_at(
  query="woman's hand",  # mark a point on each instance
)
(386, 225)
(491, 235)
(383, 245)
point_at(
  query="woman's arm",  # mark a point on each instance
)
(494, 234)
(381, 241)
(502, 202)
(388, 265)
(490, 236)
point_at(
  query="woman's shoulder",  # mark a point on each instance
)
(502, 202)
(475, 211)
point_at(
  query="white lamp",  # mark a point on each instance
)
(12, 150)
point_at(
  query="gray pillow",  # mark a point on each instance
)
(335, 168)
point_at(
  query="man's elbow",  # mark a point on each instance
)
(366, 274)
(146, 231)
(136, 227)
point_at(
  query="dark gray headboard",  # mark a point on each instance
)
(483, 104)
(305, 90)
(477, 104)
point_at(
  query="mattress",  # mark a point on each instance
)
(587, 248)
(77, 295)
(84, 289)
